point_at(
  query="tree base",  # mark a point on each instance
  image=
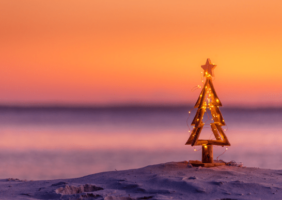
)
(197, 163)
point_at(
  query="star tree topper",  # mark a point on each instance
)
(208, 68)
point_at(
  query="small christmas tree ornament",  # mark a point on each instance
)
(208, 99)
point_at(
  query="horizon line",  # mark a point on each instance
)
(124, 105)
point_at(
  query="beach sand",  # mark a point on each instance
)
(173, 180)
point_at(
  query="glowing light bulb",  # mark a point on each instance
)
(197, 119)
(226, 149)
(195, 149)
(217, 100)
(205, 146)
(189, 112)
(189, 131)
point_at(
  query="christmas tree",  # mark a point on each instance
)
(208, 99)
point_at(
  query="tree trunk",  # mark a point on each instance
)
(207, 154)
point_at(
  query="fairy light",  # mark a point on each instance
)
(222, 153)
(210, 102)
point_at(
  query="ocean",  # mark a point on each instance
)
(68, 142)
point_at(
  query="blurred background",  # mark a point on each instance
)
(90, 86)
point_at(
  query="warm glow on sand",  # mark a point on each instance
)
(138, 51)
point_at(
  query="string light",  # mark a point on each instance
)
(222, 153)
(211, 102)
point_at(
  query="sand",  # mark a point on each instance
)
(174, 180)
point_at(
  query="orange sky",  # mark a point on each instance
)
(108, 51)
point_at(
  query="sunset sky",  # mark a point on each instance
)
(100, 52)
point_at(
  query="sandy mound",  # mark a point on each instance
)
(174, 180)
(69, 189)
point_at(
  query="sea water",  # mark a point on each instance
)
(67, 142)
